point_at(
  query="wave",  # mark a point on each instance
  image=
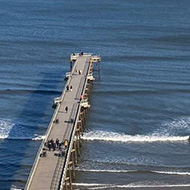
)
(33, 138)
(176, 126)
(121, 137)
(144, 58)
(135, 171)
(29, 91)
(8, 131)
(172, 173)
(129, 185)
(107, 171)
(15, 188)
(141, 92)
(38, 137)
(5, 127)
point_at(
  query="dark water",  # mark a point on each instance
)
(139, 122)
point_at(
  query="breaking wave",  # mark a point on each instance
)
(5, 128)
(102, 186)
(107, 171)
(135, 171)
(121, 137)
(175, 130)
(177, 126)
(7, 131)
(172, 173)
(33, 138)
(38, 137)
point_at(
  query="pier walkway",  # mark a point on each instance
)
(56, 169)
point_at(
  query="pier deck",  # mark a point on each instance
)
(50, 171)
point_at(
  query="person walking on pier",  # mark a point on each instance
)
(57, 143)
(71, 88)
(49, 145)
(66, 143)
(81, 97)
(60, 145)
(66, 109)
(53, 146)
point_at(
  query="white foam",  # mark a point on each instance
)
(108, 171)
(177, 126)
(172, 173)
(131, 171)
(18, 134)
(38, 137)
(121, 137)
(15, 188)
(5, 128)
(34, 138)
(101, 186)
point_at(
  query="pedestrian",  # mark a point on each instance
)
(66, 143)
(49, 146)
(53, 146)
(66, 109)
(71, 88)
(60, 145)
(57, 143)
(57, 121)
(51, 143)
(67, 87)
(81, 97)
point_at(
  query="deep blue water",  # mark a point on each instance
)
(139, 121)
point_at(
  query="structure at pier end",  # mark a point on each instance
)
(54, 166)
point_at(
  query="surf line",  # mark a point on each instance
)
(116, 137)
(135, 171)
(33, 138)
(103, 186)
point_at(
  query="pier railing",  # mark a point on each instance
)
(63, 176)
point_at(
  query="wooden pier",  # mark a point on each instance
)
(54, 167)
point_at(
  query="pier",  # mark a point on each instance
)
(54, 166)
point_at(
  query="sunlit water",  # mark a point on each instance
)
(139, 122)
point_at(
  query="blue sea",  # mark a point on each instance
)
(137, 128)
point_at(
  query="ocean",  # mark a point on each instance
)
(138, 126)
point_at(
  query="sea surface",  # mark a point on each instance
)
(139, 122)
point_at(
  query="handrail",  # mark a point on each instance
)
(61, 160)
(72, 137)
(64, 169)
